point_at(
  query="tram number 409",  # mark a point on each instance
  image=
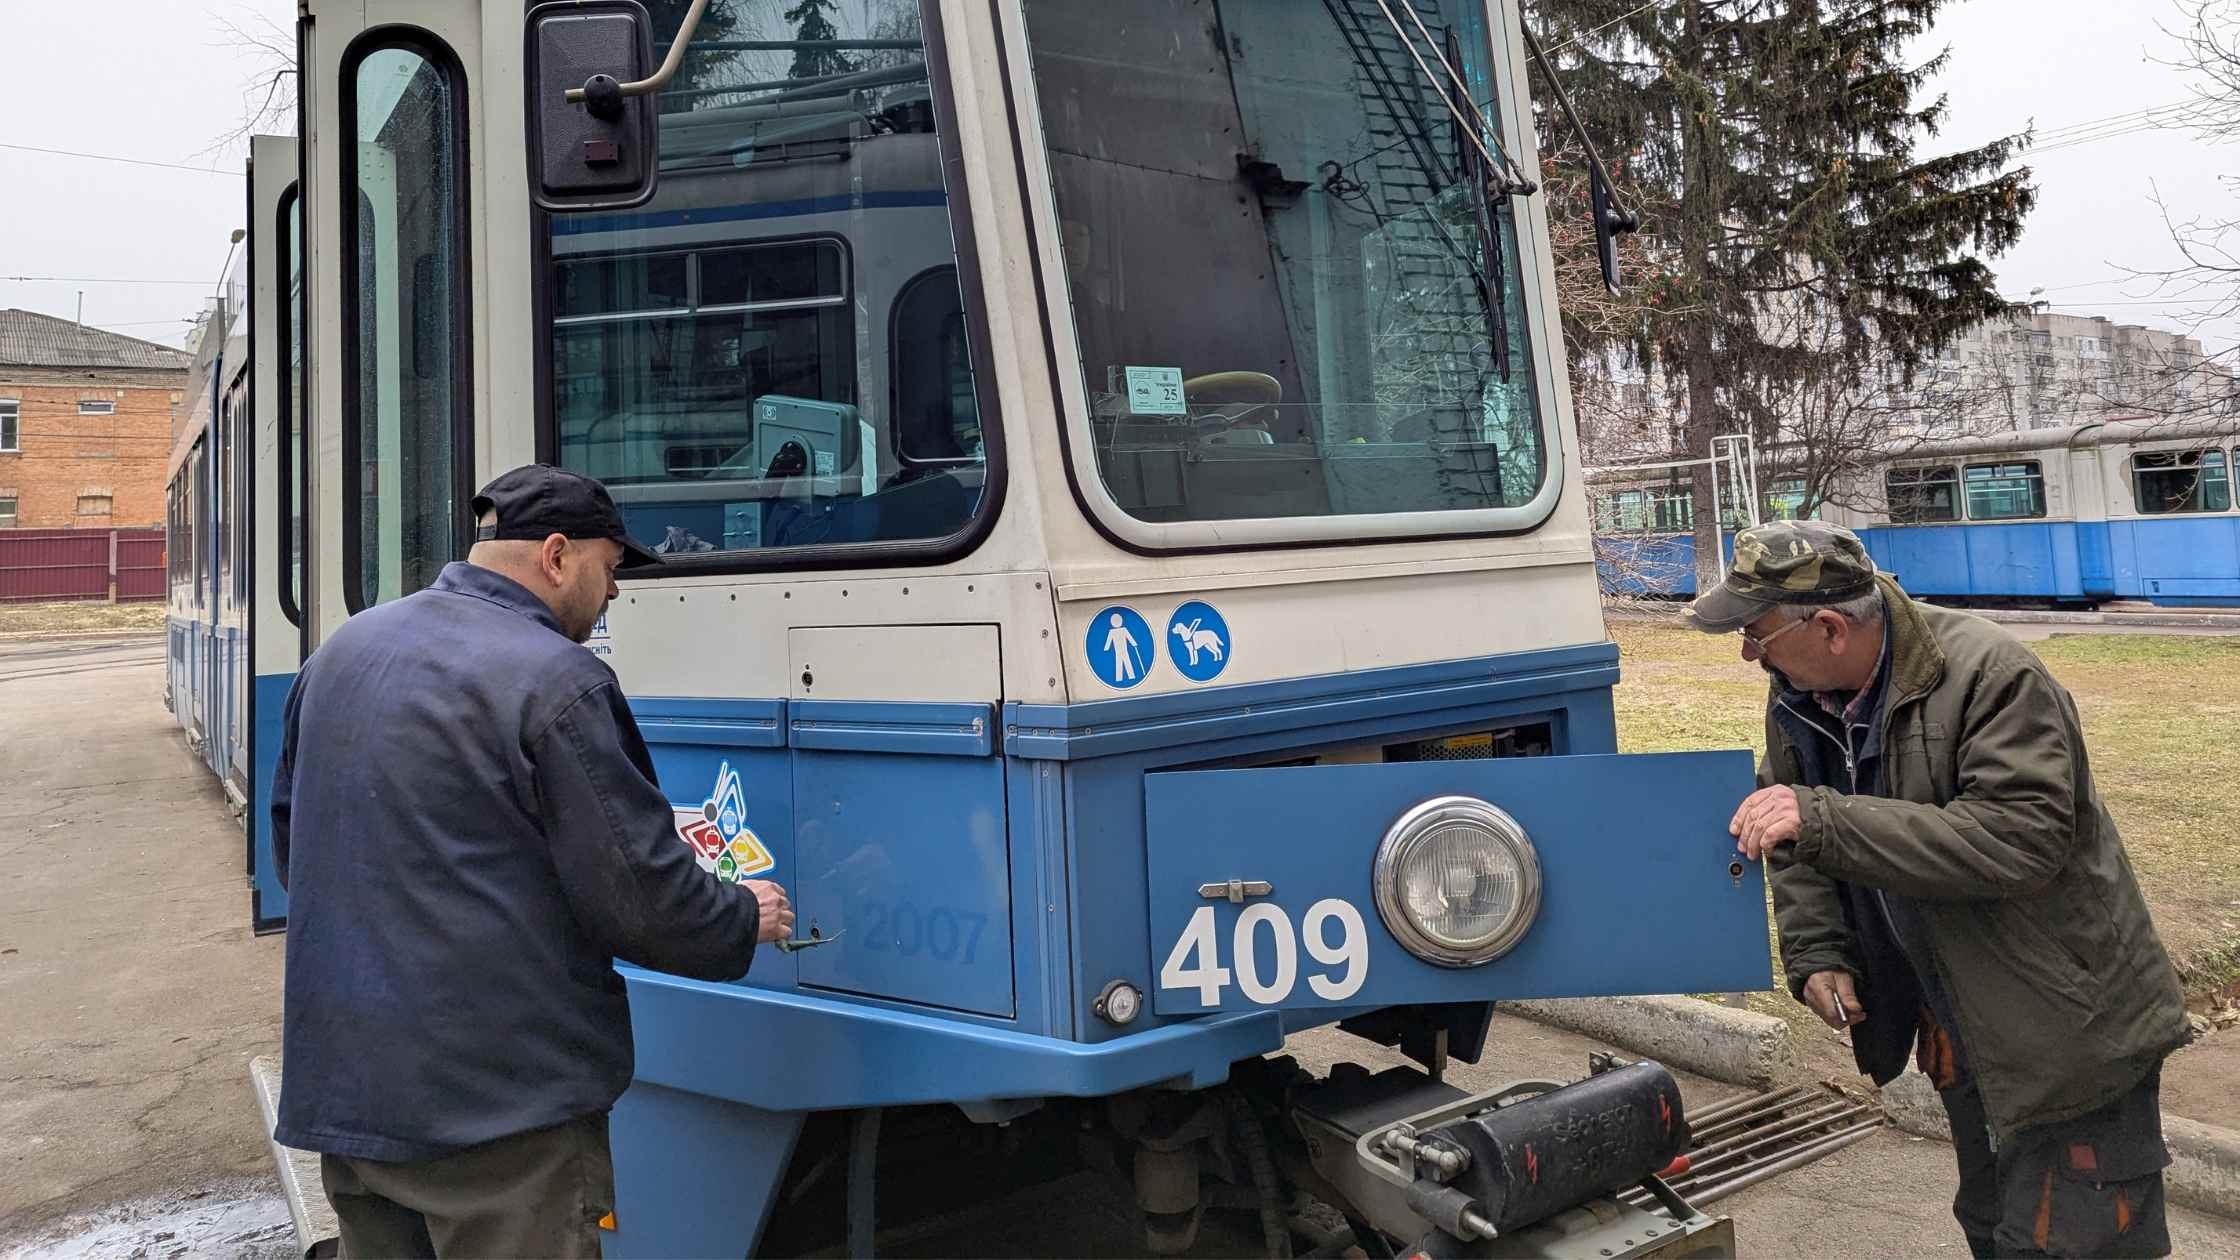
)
(1195, 960)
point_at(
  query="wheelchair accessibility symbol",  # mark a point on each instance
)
(1198, 641)
(1121, 650)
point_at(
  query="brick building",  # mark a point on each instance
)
(85, 424)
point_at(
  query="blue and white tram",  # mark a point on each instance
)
(2135, 509)
(205, 614)
(231, 647)
(1127, 573)
(2127, 509)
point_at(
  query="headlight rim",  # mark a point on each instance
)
(1418, 822)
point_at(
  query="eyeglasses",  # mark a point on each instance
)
(1759, 645)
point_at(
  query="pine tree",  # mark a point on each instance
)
(1793, 236)
(811, 23)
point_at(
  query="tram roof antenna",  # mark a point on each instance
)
(660, 78)
(1475, 123)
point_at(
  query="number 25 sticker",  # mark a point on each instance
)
(1195, 960)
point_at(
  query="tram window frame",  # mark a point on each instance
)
(2004, 470)
(897, 424)
(459, 346)
(1913, 515)
(288, 343)
(2202, 481)
(959, 199)
(692, 308)
(1535, 336)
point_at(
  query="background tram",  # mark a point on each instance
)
(2128, 509)
(206, 610)
(1128, 574)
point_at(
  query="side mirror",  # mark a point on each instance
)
(1611, 221)
(603, 153)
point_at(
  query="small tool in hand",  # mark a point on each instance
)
(1842, 1014)
(796, 946)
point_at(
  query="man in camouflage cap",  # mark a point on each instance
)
(1947, 882)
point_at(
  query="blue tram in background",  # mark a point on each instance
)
(2135, 509)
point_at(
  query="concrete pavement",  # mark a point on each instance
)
(134, 990)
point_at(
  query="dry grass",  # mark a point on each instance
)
(80, 618)
(2162, 723)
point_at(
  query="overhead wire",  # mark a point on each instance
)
(100, 280)
(111, 157)
(1597, 30)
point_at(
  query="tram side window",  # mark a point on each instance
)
(2005, 492)
(2181, 481)
(1923, 496)
(772, 353)
(936, 416)
(405, 415)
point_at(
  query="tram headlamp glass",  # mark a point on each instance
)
(1457, 881)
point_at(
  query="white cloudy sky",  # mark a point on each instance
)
(161, 80)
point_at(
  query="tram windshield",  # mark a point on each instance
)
(773, 352)
(1294, 282)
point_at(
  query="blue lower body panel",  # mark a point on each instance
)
(982, 873)
(268, 900)
(2180, 561)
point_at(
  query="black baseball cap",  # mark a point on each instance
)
(536, 501)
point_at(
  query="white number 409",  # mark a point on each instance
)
(1195, 960)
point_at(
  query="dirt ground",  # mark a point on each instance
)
(2161, 725)
(84, 617)
(134, 990)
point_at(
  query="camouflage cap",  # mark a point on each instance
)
(1785, 562)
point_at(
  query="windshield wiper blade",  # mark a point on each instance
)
(1493, 277)
(1474, 122)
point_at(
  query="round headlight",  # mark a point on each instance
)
(1457, 881)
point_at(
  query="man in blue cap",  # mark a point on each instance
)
(470, 831)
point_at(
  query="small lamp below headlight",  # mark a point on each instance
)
(1457, 881)
(1119, 1003)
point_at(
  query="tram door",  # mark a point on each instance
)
(273, 428)
(393, 404)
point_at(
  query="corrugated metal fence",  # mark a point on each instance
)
(65, 564)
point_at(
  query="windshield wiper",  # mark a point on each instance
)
(1493, 277)
(1516, 184)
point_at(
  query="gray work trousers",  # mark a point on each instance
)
(539, 1193)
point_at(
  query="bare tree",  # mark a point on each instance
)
(268, 94)
(2208, 243)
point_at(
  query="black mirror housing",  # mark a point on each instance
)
(1611, 221)
(603, 154)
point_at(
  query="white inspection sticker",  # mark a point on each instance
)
(1155, 391)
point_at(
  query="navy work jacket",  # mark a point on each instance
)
(470, 832)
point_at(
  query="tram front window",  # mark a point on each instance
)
(1275, 237)
(767, 355)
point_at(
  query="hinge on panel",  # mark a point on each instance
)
(1235, 891)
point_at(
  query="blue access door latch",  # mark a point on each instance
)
(1263, 882)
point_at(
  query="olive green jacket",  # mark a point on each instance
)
(2063, 992)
